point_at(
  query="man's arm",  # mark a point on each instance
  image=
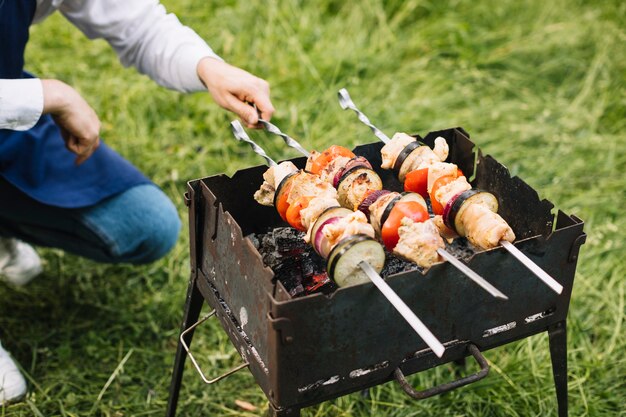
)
(236, 90)
(145, 36)
(23, 101)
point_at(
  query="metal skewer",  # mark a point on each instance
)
(241, 135)
(288, 140)
(482, 282)
(403, 309)
(533, 267)
(346, 103)
(423, 332)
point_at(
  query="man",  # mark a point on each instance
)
(60, 186)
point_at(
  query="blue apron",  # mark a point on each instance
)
(36, 161)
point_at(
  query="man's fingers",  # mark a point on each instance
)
(244, 110)
(82, 148)
(264, 105)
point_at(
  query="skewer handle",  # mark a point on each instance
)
(241, 135)
(482, 282)
(346, 103)
(533, 267)
(404, 310)
(287, 139)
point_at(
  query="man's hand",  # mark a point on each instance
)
(236, 90)
(80, 126)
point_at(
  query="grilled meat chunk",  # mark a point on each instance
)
(350, 225)
(419, 242)
(271, 179)
(305, 184)
(484, 228)
(391, 150)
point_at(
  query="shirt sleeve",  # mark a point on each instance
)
(145, 36)
(21, 103)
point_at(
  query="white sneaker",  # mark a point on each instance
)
(19, 263)
(12, 383)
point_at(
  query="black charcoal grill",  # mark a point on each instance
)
(306, 350)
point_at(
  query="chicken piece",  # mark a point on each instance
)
(305, 184)
(448, 234)
(484, 228)
(316, 207)
(309, 161)
(446, 192)
(419, 242)
(391, 150)
(377, 208)
(265, 194)
(424, 157)
(437, 170)
(271, 180)
(421, 157)
(333, 168)
(441, 148)
(353, 224)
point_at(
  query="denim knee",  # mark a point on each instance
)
(138, 226)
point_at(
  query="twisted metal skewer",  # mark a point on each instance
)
(346, 103)
(292, 143)
(241, 135)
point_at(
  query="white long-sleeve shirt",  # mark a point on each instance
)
(142, 34)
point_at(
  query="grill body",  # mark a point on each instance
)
(307, 350)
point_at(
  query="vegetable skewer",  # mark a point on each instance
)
(346, 103)
(483, 283)
(372, 274)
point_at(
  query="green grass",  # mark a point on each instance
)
(540, 85)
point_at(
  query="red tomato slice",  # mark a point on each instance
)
(441, 181)
(417, 182)
(293, 212)
(411, 209)
(328, 155)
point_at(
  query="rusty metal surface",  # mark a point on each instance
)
(320, 347)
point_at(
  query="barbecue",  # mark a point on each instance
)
(306, 349)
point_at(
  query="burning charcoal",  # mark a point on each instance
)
(311, 264)
(295, 264)
(289, 272)
(394, 265)
(320, 283)
(289, 240)
(267, 249)
(297, 291)
(461, 248)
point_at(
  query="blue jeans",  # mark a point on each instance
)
(139, 225)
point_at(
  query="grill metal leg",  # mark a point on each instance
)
(558, 355)
(287, 412)
(192, 312)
